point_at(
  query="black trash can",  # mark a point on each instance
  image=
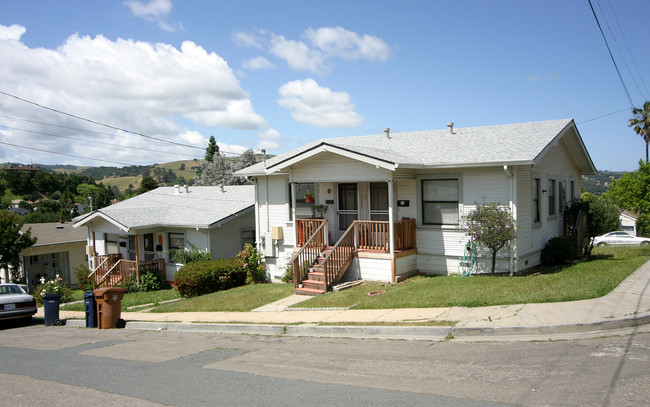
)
(91, 309)
(51, 309)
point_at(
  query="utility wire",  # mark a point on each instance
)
(611, 55)
(605, 115)
(96, 142)
(69, 155)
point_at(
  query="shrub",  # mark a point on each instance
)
(208, 276)
(152, 280)
(193, 254)
(558, 251)
(81, 273)
(252, 263)
(130, 285)
(56, 286)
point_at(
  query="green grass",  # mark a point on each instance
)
(608, 267)
(244, 298)
(133, 299)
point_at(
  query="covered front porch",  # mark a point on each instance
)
(112, 270)
(372, 250)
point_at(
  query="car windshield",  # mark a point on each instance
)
(10, 289)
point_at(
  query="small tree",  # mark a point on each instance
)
(491, 226)
(12, 240)
(211, 149)
(603, 215)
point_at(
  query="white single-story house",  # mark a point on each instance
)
(141, 231)
(391, 203)
(628, 221)
(58, 250)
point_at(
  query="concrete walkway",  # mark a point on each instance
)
(626, 307)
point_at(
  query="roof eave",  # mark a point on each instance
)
(327, 147)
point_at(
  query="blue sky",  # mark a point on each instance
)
(275, 75)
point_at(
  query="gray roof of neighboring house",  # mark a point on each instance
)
(54, 233)
(201, 207)
(509, 144)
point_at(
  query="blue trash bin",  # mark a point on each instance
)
(91, 309)
(51, 309)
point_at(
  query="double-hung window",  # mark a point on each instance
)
(536, 201)
(440, 201)
(551, 197)
(176, 242)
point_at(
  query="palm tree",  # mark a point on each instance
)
(641, 123)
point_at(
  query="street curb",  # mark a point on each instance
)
(380, 332)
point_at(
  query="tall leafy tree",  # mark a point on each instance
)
(491, 226)
(603, 215)
(12, 240)
(640, 122)
(632, 190)
(147, 184)
(211, 150)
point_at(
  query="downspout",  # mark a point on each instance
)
(513, 212)
(292, 186)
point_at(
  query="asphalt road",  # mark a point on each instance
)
(61, 366)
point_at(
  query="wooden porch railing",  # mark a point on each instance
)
(374, 235)
(339, 258)
(312, 246)
(112, 270)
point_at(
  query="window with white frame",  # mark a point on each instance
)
(536, 202)
(176, 242)
(551, 197)
(440, 199)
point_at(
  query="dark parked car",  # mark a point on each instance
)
(15, 302)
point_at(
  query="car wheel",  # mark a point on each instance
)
(645, 243)
(602, 244)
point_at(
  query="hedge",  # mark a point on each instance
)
(209, 276)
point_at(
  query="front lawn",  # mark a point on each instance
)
(582, 281)
(133, 299)
(244, 298)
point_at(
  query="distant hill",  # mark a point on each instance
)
(598, 183)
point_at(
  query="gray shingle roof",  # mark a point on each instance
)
(55, 233)
(499, 145)
(201, 207)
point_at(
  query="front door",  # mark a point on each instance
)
(379, 201)
(348, 205)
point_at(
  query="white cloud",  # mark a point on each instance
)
(139, 86)
(268, 139)
(13, 32)
(155, 11)
(318, 48)
(533, 78)
(247, 39)
(257, 63)
(312, 104)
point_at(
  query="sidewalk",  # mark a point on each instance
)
(626, 307)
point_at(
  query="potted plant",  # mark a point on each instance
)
(321, 209)
(309, 196)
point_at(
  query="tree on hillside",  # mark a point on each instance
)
(211, 150)
(632, 190)
(147, 184)
(641, 124)
(215, 172)
(492, 226)
(12, 240)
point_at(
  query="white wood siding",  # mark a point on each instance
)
(225, 241)
(405, 190)
(335, 168)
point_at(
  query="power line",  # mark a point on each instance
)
(605, 115)
(68, 155)
(98, 123)
(611, 55)
(96, 142)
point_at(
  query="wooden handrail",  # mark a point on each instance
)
(98, 266)
(310, 250)
(337, 260)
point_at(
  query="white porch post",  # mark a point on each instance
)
(292, 185)
(391, 218)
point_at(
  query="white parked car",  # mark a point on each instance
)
(620, 239)
(15, 302)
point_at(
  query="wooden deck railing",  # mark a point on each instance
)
(311, 248)
(374, 235)
(339, 258)
(112, 270)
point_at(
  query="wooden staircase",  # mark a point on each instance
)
(314, 281)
